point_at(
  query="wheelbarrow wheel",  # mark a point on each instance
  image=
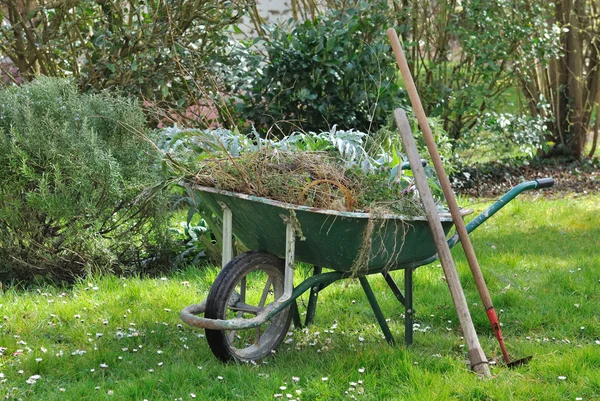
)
(245, 286)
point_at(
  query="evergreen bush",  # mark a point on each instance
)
(74, 176)
(336, 69)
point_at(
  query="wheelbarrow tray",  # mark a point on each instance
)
(329, 238)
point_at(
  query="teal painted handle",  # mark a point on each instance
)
(403, 166)
(406, 165)
(503, 201)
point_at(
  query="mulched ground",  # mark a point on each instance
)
(492, 180)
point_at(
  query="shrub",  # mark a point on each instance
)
(334, 70)
(158, 51)
(466, 56)
(74, 173)
(508, 134)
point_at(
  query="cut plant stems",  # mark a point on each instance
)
(315, 179)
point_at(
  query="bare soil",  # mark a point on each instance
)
(492, 180)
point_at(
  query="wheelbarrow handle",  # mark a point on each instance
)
(406, 165)
(395, 173)
(545, 182)
(503, 201)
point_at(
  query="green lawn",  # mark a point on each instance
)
(121, 338)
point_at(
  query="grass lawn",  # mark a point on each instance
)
(116, 338)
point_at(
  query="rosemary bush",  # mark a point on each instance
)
(74, 173)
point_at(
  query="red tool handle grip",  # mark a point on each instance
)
(495, 324)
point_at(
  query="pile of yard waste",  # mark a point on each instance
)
(311, 178)
(336, 170)
(343, 170)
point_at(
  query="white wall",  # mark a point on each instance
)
(272, 11)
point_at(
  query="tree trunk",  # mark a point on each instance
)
(596, 128)
(575, 81)
(570, 83)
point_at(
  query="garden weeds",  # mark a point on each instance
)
(315, 179)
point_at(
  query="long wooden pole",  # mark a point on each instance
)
(446, 188)
(477, 358)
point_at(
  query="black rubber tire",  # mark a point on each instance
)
(219, 297)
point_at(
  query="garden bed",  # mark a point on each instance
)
(494, 179)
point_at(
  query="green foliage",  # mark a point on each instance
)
(380, 151)
(334, 70)
(74, 177)
(200, 240)
(379, 155)
(389, 140)
(189, 236)
(518, 134)
(465, 55)
(154, 50)
(188, 147)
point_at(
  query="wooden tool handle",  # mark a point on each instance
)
(476, 355)
(439, 168)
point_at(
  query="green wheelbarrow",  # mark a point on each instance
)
(252, 301)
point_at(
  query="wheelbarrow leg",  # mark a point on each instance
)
(408, 306)
(312, 299)
(296, 316)
(227, 249)
(377, 310)
(394, 287)
(405, 300)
